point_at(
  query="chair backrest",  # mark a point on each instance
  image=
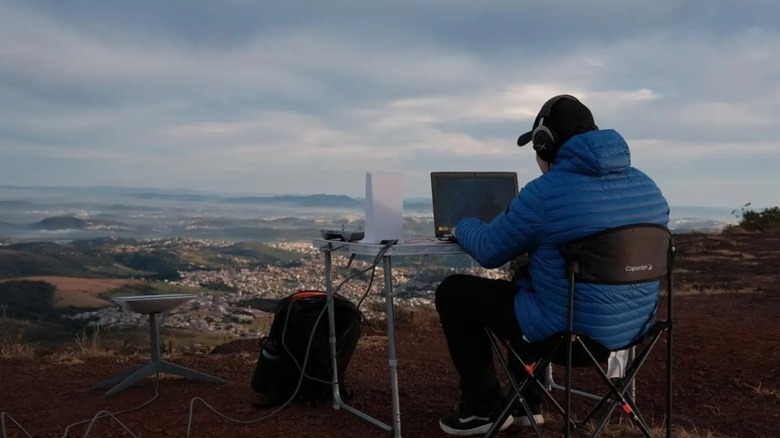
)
(630, 254)
(623, 255)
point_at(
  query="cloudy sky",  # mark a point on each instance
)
(305, 96)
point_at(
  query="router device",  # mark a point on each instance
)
(343, 235)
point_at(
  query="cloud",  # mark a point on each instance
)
(306, 96)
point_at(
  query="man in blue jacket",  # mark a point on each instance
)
(587, 185)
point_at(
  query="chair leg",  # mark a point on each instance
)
(567, 417)
(542, 373)
(516, 389)
(629, 407)
(617, 394)
(669, 372)
(505, 413)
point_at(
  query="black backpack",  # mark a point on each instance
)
(276, 374)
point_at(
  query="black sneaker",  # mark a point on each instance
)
(471, 422)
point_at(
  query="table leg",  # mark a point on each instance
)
(338, 403)
(392, 359)
(332, 329)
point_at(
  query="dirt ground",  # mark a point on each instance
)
(727, 378)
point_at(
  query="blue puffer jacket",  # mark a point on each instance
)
(590, 187)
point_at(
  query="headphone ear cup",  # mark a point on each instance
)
(544, 143)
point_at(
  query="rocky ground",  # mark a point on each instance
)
(727, 381)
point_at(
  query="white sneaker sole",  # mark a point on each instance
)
(525, 422)
(474, 431)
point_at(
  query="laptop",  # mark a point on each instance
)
(457, 195)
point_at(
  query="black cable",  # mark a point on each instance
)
(377, 259)
(91, 421)
(103, 414)
(368, 288)
(300, 367)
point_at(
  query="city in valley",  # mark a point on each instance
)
(234, 300)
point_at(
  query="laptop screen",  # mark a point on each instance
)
(457, 195)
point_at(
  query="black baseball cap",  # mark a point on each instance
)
(565, 115)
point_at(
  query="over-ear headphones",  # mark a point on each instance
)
(544, 139)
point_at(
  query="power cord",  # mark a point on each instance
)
(103, 414)
(372, 268)
(379, 256)
(3, 416)
(91, 421)
(300, 367)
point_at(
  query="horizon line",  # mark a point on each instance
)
(142, 189)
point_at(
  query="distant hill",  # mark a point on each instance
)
(173, 196)
(103, 243)
(98, 258)
(25, 299)
(55, 223)
(317, 200)
(321, 200)
(21, 264)
(261, 253)
(61, 223)
(77, 292)
(49, 258)
(14, 203)
(418, 204)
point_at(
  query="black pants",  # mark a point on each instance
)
(466, 305)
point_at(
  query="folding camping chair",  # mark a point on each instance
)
(618, 256)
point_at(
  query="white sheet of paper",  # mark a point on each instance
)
(384, 206)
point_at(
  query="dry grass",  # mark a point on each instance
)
(99, 343)
(759, 389)
(714, 254)
(372, 341)
(621, 426)
(12, 344)
(422, 316)
(90, 345)
(65, 358)
(12, 349)
(683, 290)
